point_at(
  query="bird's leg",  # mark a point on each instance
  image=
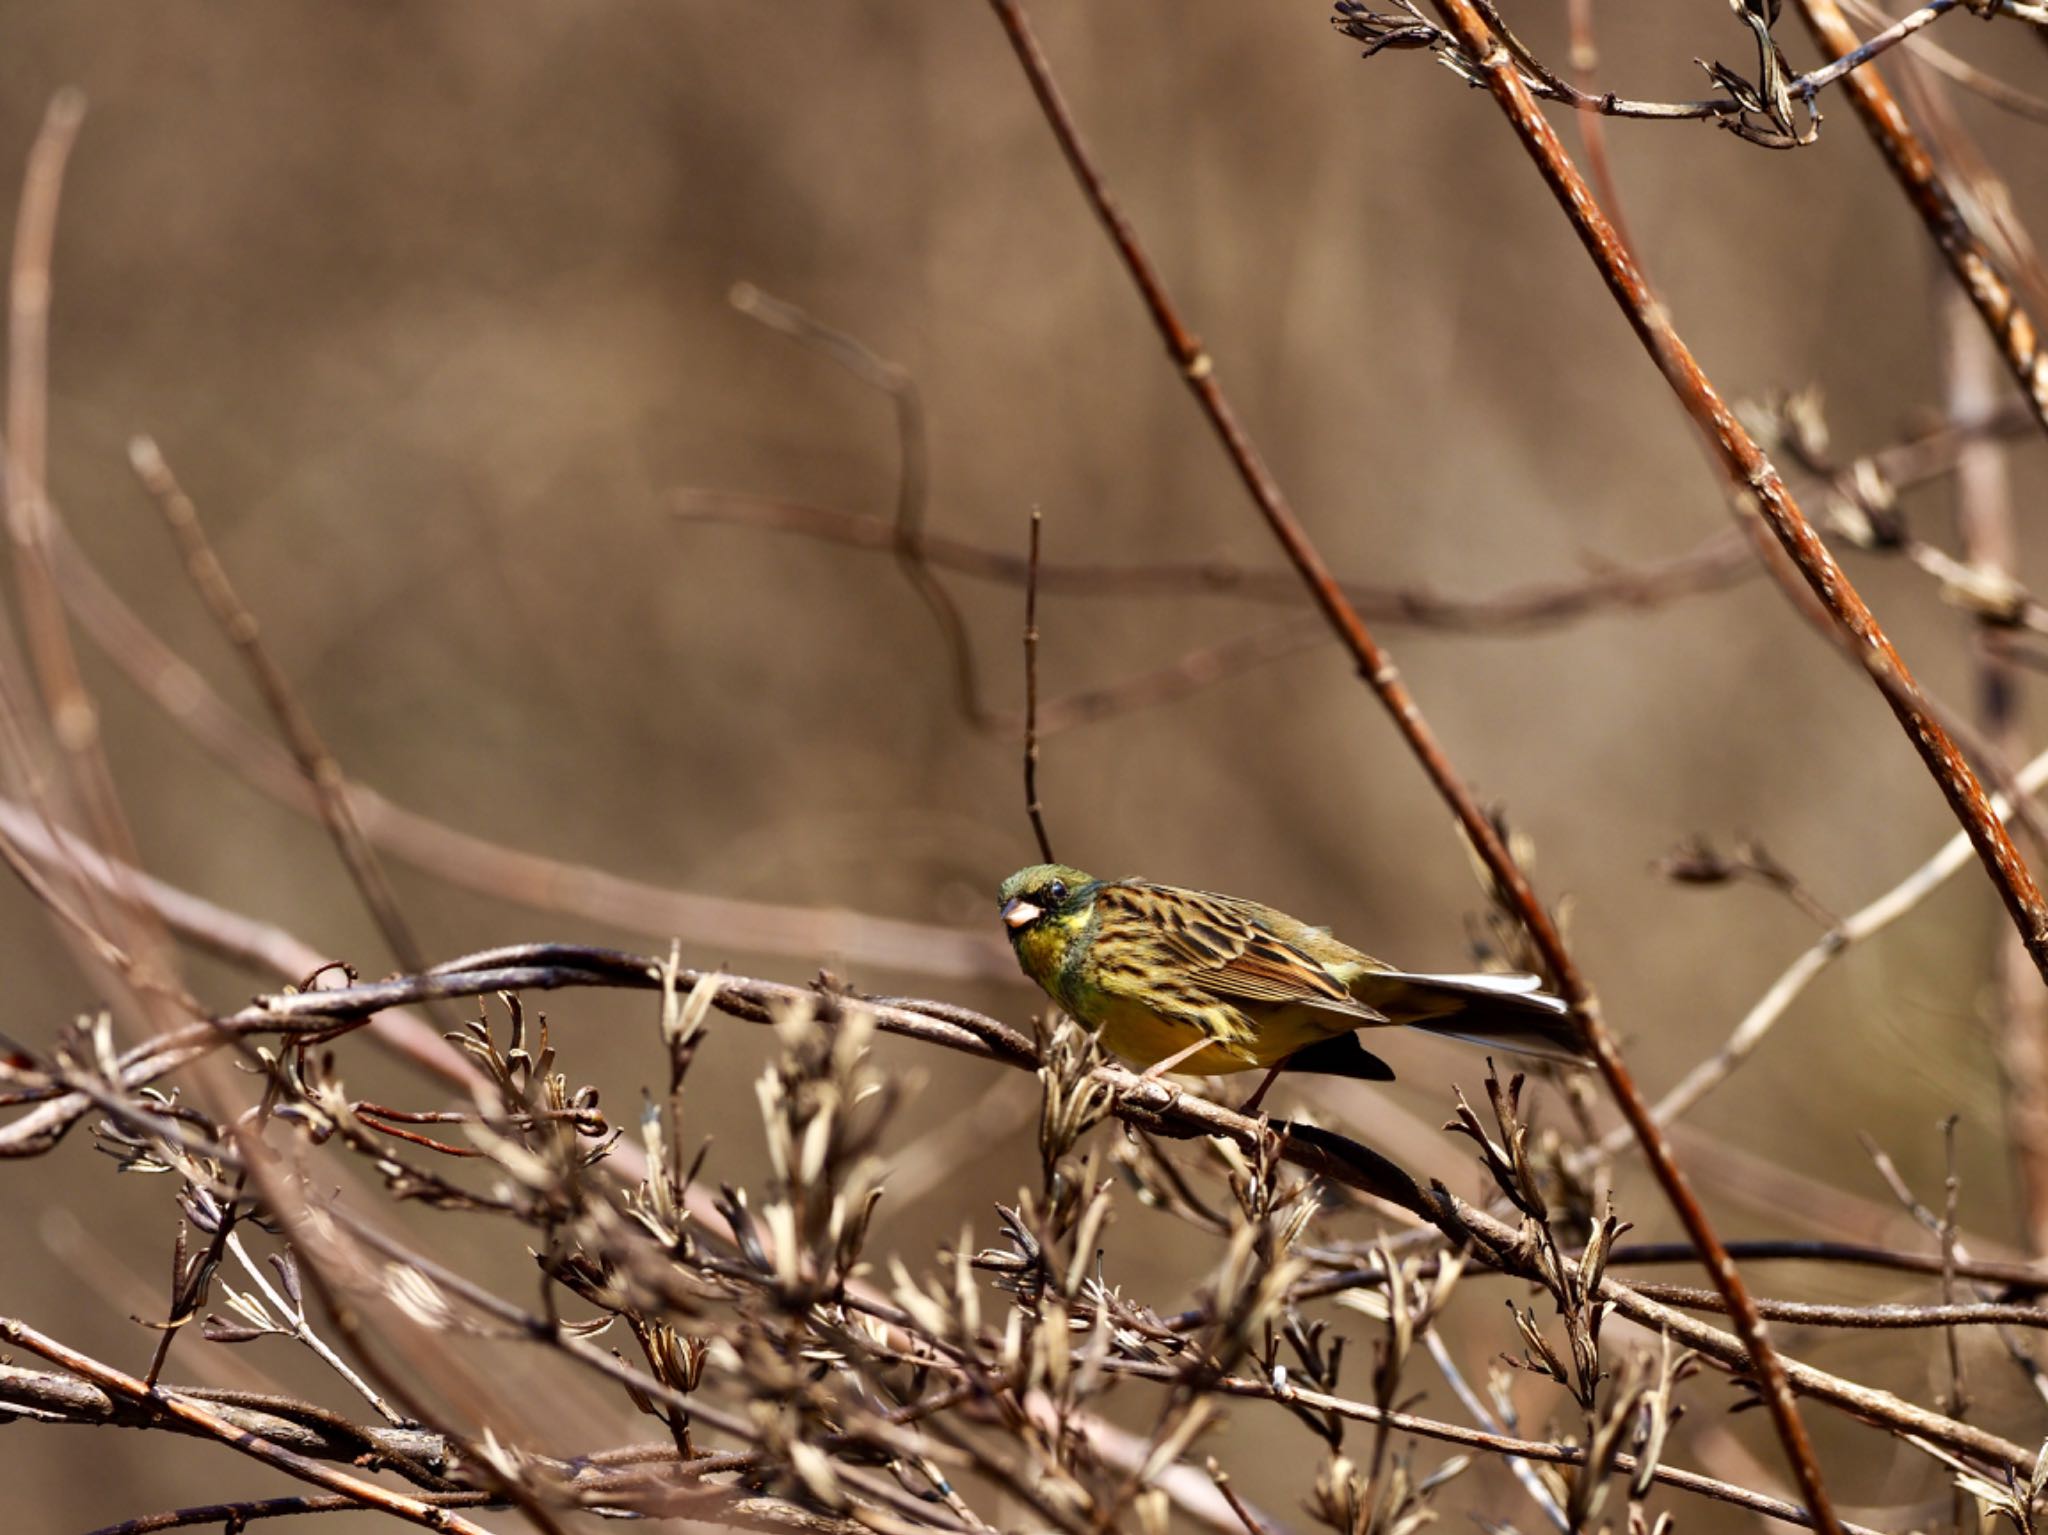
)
(1251, 1105)
(1160, 1068)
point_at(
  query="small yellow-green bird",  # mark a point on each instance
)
(1175, 979)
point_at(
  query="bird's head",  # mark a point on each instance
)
(1045, 909)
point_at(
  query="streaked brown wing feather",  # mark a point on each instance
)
(1221, 947)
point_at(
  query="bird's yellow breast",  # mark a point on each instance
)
(1138, 1035)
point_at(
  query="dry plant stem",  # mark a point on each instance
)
(1585, 63)
(54, 1396)
(197, 1415)
(1378, 670)
(1953, 856)
(315, 761)
(1752, 473)
(2011, 328)
(1150, 1105)
(1877, 1318)
(236, 1515)
(295, 1318)
(1500, 1444)
(1860, 1318)
(1541, 80)
(1526, 1474)
(1990, 87)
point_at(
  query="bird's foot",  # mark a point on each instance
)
(1150, 1096)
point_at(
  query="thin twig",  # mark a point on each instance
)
(322, 772)
(913, 470)
(1930, 53)
(69, 730)
(236, 1515)
(1951, 858)
(1032, 807)
(1721, 561)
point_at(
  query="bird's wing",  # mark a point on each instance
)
(1221, 946)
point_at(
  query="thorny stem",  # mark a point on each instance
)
(1377, 667)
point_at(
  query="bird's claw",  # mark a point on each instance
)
(1152, 1097)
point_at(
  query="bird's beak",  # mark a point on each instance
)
(1019, 913)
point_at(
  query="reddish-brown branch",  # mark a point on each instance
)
(1752, 471)
(2012, 329)
(1377, 667)
(1720, 561)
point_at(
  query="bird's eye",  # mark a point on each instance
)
(1056, 892)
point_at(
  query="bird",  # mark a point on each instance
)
(1191, 980)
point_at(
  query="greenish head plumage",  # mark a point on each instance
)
(1046, 908)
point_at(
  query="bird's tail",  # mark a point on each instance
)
(1511, 1012)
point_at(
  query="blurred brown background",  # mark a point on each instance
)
(426, 305)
